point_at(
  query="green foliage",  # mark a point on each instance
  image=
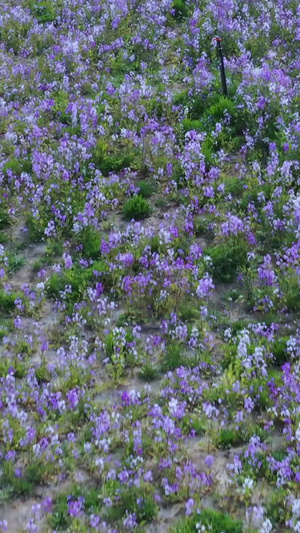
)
(277, 506)
(193, 423)
(146, 188)
(43, 11)
(4, 238)
(78, 279)
(5, 220)
(227, 258)
(148, 372)
(60, 518)
(14, 166)
(35, 228)
(290, 288)
(107, 163)
(136, 208)
(15, 367)
(228, 438)
(181, 10)
(55, 285)
(42, 374)
(181, 98)
(204, 226)
(279, 350)
(7, 301)
(133, 500)
(15, 262)
(192, 125)
(17, 166)
(213, 521)
(208, 151)
(218, 109)
(173, 358)
(91, 240)
(31, 476)
(188, 312)
(6, 325)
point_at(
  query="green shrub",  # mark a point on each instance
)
(227, 258)
(6, 325)
(181, 98)
(228, 438)
(19, 368)
(217, 109)
(60, 518)
(277, 506)
(193, 422)
(91, 240)
(15, 262)
(204, 226)
(7, 301)
(279, 350)
(148, 372)
(43, 11)
(192, 125)
(181, 9)
(146, 189)
(133, 500)
(5, 220)
(136, 208)
(55, 285)
(35, 228)
(208, 150)
(4, 238)
(32, 475)
(213, 521)
(42, 374)
(14, 166)
(78, 278)
(187, 312)
(172, 358)
(107, 163)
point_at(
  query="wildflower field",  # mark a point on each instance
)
(149, 266)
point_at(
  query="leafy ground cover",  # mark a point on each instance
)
(149, 267)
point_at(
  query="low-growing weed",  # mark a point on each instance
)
(136, 208)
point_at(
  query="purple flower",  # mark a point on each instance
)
(205, 286)
(209, 461)
(75, 507)
(104, 247)
(189, 506)
(68, 261)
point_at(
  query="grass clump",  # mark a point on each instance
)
(227, 258)
(24, 482)
(136, 208)
(173, 358)
(5, 220)
(148, 372)
(91, 240)
(228, 438)
(181, 10)
(7, 301)
(133, 500)
(43, 11)
(15, 367)
(279, 350)
(107, 163)
(146, 189)
(213, 521)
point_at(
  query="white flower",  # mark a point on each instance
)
(296, 503)
(266, 527)
(297, 435)
(248, 485)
